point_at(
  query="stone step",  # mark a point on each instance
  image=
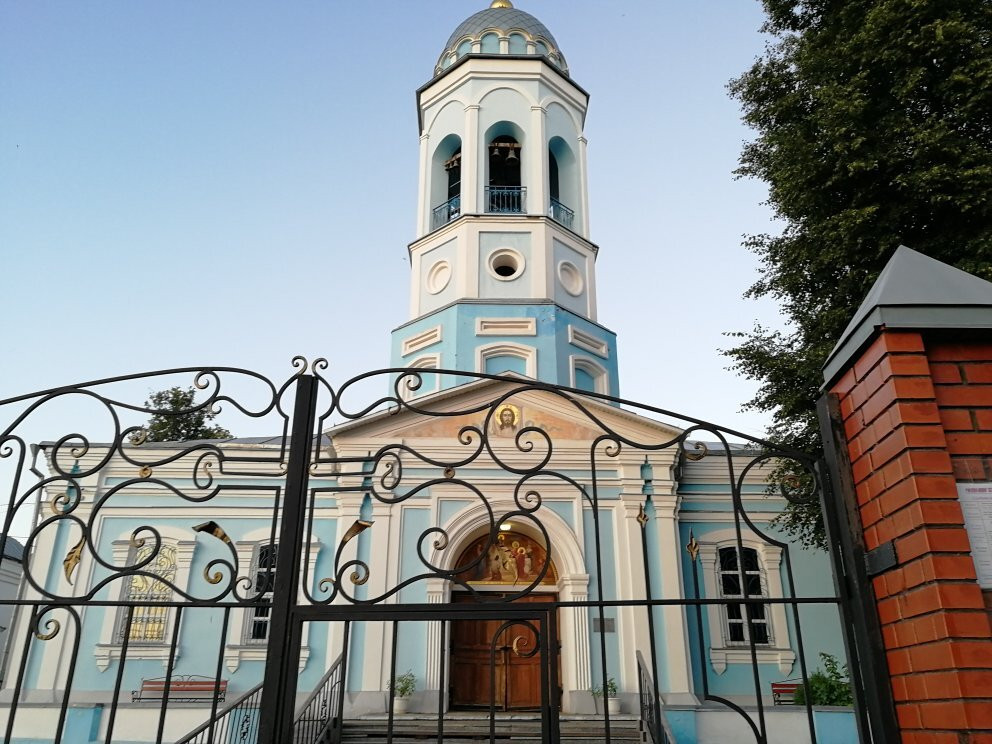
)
(477, 730)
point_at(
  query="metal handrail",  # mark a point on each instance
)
(321, 710)
(444, 213)
(506, 199)
(222, 728)
(561, 214)
(652, 714)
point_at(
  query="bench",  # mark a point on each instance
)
(183, 688)
(784, 693)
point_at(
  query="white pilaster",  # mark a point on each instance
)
(584, 185)
(423, 193)
(537, 159)
(666, 507)
(473, 152)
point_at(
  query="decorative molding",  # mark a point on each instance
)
(588, 342)
(770, 560)
(428, 361)
(599, 374)
(570, 278)
(784, 657)
(506, 326)
(527, 353)
(422, 340)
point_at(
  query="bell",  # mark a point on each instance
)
(495, 151)
(511, 155)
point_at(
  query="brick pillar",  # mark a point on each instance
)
(917, 417)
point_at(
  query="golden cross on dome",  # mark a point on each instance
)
(501, 4)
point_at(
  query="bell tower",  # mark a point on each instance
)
(503, 271)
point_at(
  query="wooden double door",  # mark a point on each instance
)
(515, 670)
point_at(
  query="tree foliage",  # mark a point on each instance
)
(874, 129)
(179, 418)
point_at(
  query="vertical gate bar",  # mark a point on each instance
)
(392, 684)
(283, 653)
(555, 646)
(119, 678)
(343, 687)
(800, 646)
(545, 652)
(873, 705)
(441, 680)
(168, 674)
(219, 671)
(649, 595)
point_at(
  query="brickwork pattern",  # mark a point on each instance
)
(918, 417)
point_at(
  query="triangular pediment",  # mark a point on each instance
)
(504, 409)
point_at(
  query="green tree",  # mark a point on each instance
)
(874, 129)
(179, 418)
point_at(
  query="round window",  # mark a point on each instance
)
(570, 278)
(438, 277)
(506, 264)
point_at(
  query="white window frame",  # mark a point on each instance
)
(729, 622)
(527, 353)
(593, 368)
(236, 650)
(428, 361)
(248, 638)
(722, 652)
(108, 649)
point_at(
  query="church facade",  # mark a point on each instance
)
(484, 484)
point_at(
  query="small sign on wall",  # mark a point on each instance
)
(976, 504)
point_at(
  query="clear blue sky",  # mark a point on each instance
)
(234, 182)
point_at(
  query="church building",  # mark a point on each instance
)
(514, 475)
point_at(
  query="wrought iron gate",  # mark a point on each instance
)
(110, 588)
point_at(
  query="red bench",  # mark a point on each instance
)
(183, 688)
(784, 693)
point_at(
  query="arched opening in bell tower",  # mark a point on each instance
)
(563, 182)
(446, 181)
(504, 189)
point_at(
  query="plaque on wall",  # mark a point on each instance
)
(976, 504)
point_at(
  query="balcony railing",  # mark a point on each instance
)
(506, 199)
(444, 213)
(561, 214)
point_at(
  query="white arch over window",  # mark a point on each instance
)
(770, 561)
(508, 349)
(428, 383)
(584, 365)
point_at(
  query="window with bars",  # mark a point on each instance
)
(264, 572)
(149, 619)
(731, 575)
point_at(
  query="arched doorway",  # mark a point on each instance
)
(493, 662)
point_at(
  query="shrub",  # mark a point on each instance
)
(829, 686)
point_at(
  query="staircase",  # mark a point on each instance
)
(513, 729)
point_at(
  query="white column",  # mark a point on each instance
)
(435, 595)
(676, 631)
(383, 573)
(424, 194)
(583, 186)
(473, 171)
(536, 153)
(575, 634)
(632, 622)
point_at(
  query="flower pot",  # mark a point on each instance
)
(613, 705)
(401, 705)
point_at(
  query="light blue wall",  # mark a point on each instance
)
(459, 344)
